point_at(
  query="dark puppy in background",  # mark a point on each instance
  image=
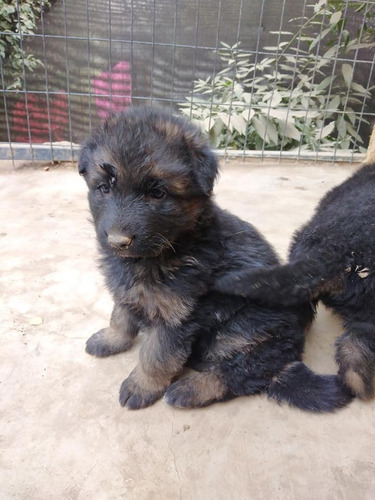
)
(163, 243)
(332, 259)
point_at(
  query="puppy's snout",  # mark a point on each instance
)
(119, 240)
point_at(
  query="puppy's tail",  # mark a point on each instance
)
(287, 284)
(304, 389)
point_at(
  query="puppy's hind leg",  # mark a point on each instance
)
(356, 358)
(118, 337)
(197, 390)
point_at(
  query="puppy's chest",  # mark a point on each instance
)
(157, 302)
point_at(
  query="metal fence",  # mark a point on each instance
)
(263, 78)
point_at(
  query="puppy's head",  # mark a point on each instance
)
(150, 178)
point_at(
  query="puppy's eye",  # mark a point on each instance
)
(104, 188)
(158, 193)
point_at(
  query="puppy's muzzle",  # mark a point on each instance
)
(119, 241)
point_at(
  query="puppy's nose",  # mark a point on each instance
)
(119, 240)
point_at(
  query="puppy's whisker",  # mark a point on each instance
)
(163, 238)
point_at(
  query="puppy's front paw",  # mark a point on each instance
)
(134, 397)
(103, 343)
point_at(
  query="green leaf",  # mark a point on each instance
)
(291, 131)
(334, 104)
(281, 33)
(272, 132)
(259, 126)
(239, 123)
(266, 129)
(358, 88)
(275, 99)
(353, 133)
(347, 73)
(319, 38)
(248, 114)
(341, 128)
(351, 115)
(326, 131)
(335, 18)
(325, 83)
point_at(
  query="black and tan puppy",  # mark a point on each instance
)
(163, 243)
(332, 259)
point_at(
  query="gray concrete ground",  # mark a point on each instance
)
(63, 432)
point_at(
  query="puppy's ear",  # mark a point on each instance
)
(206, 169)
(86, 156)
(205, 163)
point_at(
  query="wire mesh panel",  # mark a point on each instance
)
(264, 78)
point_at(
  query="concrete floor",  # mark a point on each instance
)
(64, 434)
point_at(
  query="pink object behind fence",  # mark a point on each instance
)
(31, 121)
(116, 87)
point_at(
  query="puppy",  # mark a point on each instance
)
(163, 242)
(332, 259)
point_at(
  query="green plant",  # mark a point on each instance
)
(17, 18)
(300, 95)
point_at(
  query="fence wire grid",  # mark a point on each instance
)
(263, 78)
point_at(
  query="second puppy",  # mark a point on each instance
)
(332, 259)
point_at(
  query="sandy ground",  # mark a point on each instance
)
(64, 434)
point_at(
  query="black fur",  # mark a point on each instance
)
(332, 259)
(163, 242)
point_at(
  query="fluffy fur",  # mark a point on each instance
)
(332, 259)
(163, 242)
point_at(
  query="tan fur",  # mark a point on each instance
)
(282, 375)
(143, 382)
(120, 324)
(115, 339)
(159, 304)
(352, 352)
(355, 382)
(173, 133)
(201, 389)
(207, 387)
(118, 337)
(170, 130)
(176, 184)
(229, 345)
(355, 361)
(141, 385)
(156, 365)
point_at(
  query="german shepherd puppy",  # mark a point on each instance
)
(163, 242)
(332, 259)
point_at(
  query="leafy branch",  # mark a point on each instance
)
(18, 18)
(301, 95)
